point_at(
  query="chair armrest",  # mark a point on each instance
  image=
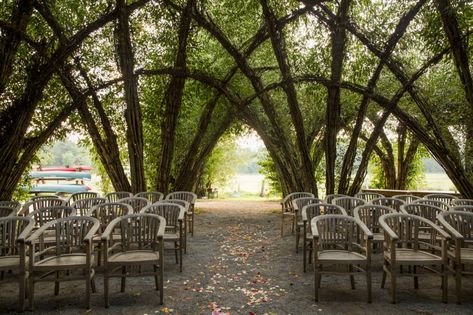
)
(391, 234)
(453, 232)
(315, 231)
(364, 228)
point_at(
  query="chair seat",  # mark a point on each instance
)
(340, 257)
(134, 256)
(409, 256)
(11, 262)
(171, 237)
(466, 255)
(66, 261)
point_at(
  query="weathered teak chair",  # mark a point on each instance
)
(329, 198)
(431, 202)
(15, 205)
(308, 212)
(288, 208)
(459, 225)
(136, 203)
(298, 204)
(368, 196)
(45, 215)
(72, 252)
(106, 213)
(335, 244)
(13, 231)
(34, 198)
(441, 197)
(426, 211)
(82, 195)
(404, 247)
(466, 208)
(117, 195)
(369, 214)
(83, 206)
(139, 244)
(453, 203)
(388, 202)
(174, 215)
(6, 211)
(186, 206)
(191, 198)
(152, 196)
(36, 204)
(348, 203)
(407, 198)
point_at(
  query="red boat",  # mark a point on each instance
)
(76, 168)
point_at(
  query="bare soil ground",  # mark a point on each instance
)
(237, 263)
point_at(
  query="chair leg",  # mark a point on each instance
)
(352, 277)
(297, 239)
(31, 292)
(192, 223)
(180, 255)
(22, 289)
(156, 280)
(92, 284)
(304, 252)
(105, 288)
(87, 289)
(175, 252)
(185, 236)
(56, 284)
(368, 283)
(416, 279)
(316, 283)
(458, 282)
(393, 285)
(123, 279)
(383, 280)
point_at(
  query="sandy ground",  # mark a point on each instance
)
(237, 263)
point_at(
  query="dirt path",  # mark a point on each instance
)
(237, 263)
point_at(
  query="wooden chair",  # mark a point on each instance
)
(140, 244)
(11, 204)
(136, 203)
(453, 203)
(72, 252)
(82, 195)
(298, 204)
(369, 214)
(404, 247)
(191, 198)
(186, 206)
(407, 198)
(348, 203)
(152, 196)
(335, 244)
(83, 206)
(459, 225)
(7, 211)
(368, 196)
(174, 215)
(426, 211)
(308, 212)
(431, 202)
(466, 208)
(13, 231)
(329, 198)
(393, 203)
(288, 208)
(39, 203)
(446, 198)
(34, 198)
(115, 196)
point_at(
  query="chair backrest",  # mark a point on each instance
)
(48, 214)
(137, 203)
(329, 198)
(82, 195)
(117, 195)
(441, 197)
(106, 212)
(406, 228)
(423, 210)
(348, 203)
(72, 234)
(388, 202)
(367, 196)
(12, 229)
(369, 214)
(138, 231)
(11, 204)
(466, 208)
(188, 196)
(436, 203)
(299, 203)
(286, 203)
(34, 198)
(152, 196)
(454, 202)
(83, 206)
(407, 198)
(6, 211)
(460, 221)
(173, 213)
(312, 210)
(336, 231)
(183, 203)
(41, 203)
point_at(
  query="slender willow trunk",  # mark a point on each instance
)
(134, 127)
(172, 103)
